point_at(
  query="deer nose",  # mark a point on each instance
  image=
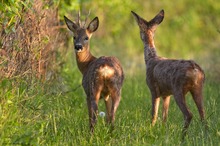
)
(78, 46)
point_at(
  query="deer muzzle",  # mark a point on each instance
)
(78, 47)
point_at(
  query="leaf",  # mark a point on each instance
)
(9, 102)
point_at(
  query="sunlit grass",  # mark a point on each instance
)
(33, 117)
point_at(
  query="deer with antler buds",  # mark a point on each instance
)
(102, 77)
(169, 76)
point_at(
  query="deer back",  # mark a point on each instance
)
(105, 73)
(167, 75)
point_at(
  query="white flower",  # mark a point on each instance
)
(102, 114)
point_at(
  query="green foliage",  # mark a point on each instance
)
(11, 11)
(185, 30)
(67, 6)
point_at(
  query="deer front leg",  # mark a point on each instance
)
(166, 103)
(155, 107)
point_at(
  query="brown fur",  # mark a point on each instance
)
(167, 77)
(102, 77)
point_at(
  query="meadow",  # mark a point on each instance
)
(33, 117)
(42, 101)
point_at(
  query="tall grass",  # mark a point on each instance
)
(35, 116)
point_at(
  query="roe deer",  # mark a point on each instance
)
(167, 77)
(102, 77)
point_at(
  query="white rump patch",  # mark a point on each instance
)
(106, 71)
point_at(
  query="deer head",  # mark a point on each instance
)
(82, 35)
(147, 29)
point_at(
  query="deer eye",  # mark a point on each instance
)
(74, 37)
(86, 38)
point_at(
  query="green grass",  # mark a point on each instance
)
(35, 116)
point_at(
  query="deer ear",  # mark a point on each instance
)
(136, 16)
(158, 18)
(71, 25)
(138, 19)
(93, 25)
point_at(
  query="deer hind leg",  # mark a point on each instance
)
(92, 102)
(198, 98)
(155, 107)
(180, 100)
(108, 105)
(166, 103)
(90, 110)
(116, 97)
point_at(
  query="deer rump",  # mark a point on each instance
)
(105, 75)
(168, 75)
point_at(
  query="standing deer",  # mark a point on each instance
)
(102, 77)
(167, 77)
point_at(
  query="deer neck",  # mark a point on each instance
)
(83, 60)
(149, 49)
